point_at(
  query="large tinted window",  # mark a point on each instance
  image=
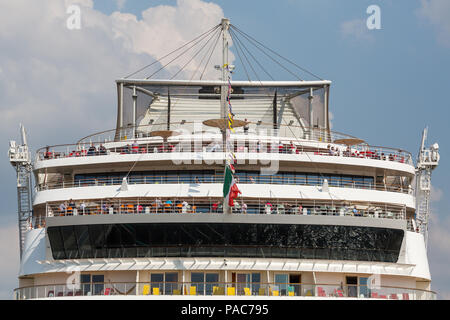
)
(226, 240)
(209, 176)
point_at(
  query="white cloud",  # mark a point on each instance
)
(120, 4)
(60, 82)
(437, 12)
(436, 194)
(356, 29)
(439, 254)
(9, 251)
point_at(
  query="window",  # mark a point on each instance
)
(368, 181)
(352, 286)
(166, 282)
(364, 290)
(294, 283)
(92, 284)
(204, 282)
(156, 281)
(281, 283)
(98, 283)
(313, 179)
(335, 181)
(171, 282)
(248, 280)
(289, 178)
(358, 182)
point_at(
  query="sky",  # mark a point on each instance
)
(388, 83)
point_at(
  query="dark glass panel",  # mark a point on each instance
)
(57, 243)
(226, 239)
(70, 242)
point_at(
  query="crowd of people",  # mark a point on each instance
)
(258, 147)
(241, 207)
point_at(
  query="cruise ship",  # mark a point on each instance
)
(223, 189)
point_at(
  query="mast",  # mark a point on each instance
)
(223, 92)
(223, 101)
(20, 159)
(427, 161)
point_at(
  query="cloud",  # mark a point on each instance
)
(60, 83)
(436, 194)
(437, 12)
(120, 4)
(9, 251)
(356, 29)
(439, 254)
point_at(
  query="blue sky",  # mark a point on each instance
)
(387, 86)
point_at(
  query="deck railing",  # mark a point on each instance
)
(286, 290)
(273, 179)
(193, 205)
(214, 205)
(243, 144)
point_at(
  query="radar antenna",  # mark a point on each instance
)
(427, 161)
(20, 159)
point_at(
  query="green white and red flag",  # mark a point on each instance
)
(230, 188)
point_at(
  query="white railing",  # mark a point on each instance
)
(214, 205)
(288, 290)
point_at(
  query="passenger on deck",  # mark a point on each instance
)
(184, 206)
(102, 150)
(291, 147)
(62, 209)
(47, 153)
(158, 205)
(92, 150)
(246, 126)
(135, 147)
(268, 208)
(347, 152)
(82, 208)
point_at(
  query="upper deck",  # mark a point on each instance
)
(168, 120)
(249, 144)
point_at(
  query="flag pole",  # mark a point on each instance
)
(224, 104)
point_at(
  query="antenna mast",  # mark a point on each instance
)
(20, 159)
(224, 113)
(427, 161)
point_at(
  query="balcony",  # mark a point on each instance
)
(197, 177)
(317, 142)
(234, 290)
(195, 205)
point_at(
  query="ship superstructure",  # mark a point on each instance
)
(139, 211)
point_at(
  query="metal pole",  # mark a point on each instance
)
(134, 111)
(223, 95)
(311, 120)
